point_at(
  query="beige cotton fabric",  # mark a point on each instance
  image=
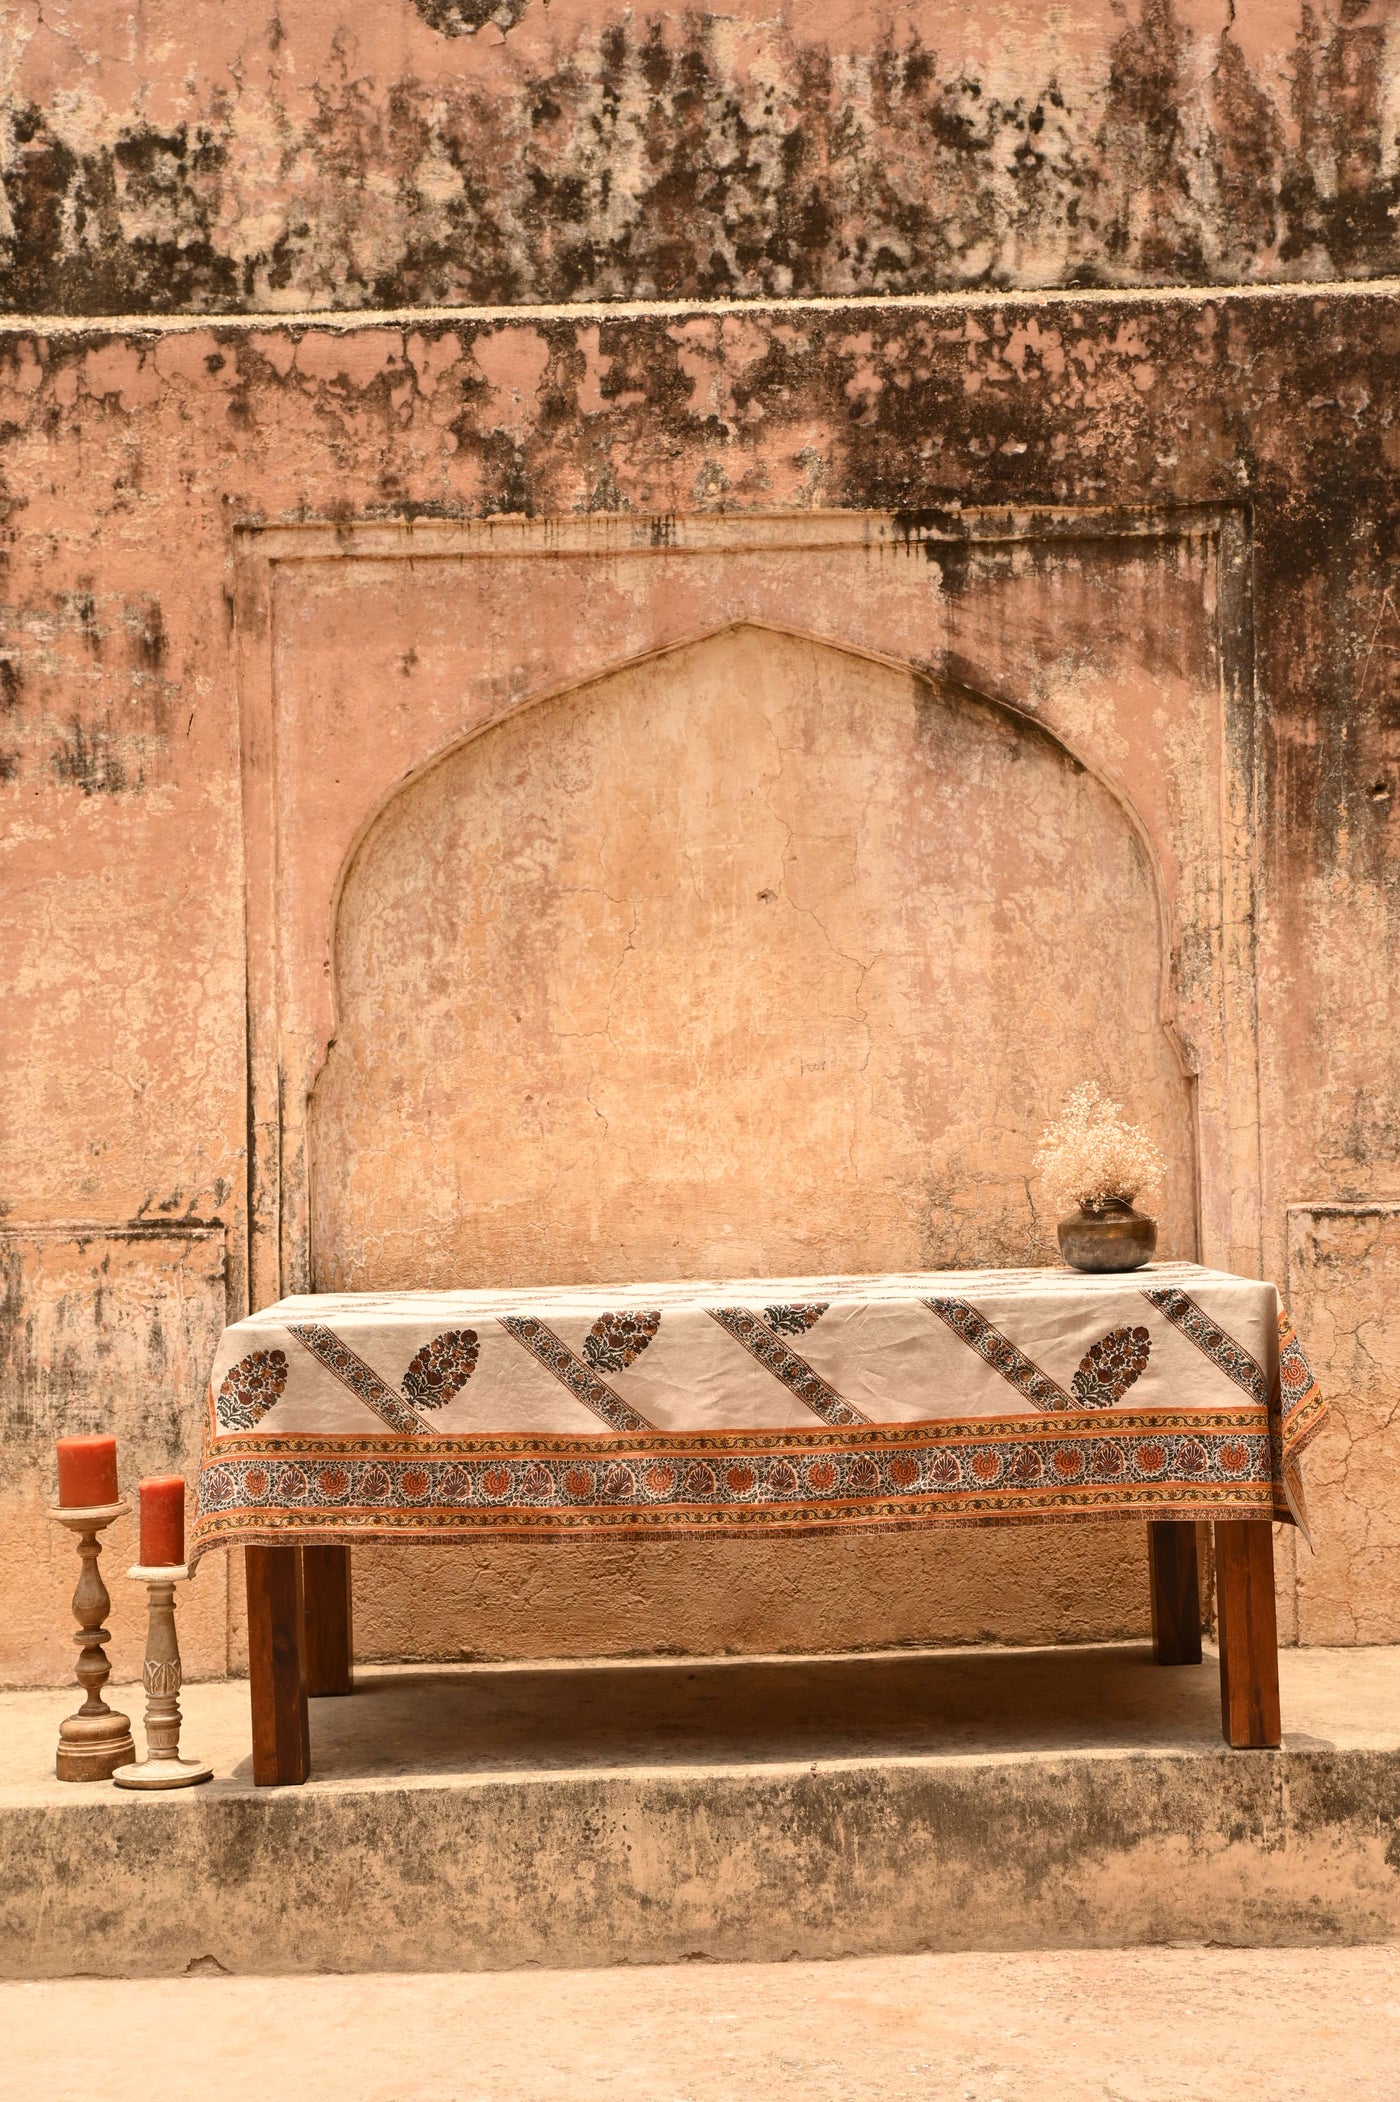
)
(806, 1402)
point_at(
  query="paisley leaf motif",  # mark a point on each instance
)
(441, 1369)
(1110, 1366)
(250, 1388)
(616, 1341)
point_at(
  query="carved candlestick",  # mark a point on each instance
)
(95, 1741)
(162, 1766)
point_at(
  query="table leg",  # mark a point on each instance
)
(277, 1666)
(1176, 1595)
(1244, 1597)
(330, 1646)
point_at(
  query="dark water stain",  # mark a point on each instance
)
(86, 758)
(652, 164)
(466, 17)
(151, 638)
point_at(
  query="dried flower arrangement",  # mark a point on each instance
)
(1091, 1158)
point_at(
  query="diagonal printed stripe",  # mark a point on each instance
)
(1001, 1354)
(362, 1379)
(785, 1365)
(1210, 1339)
(571, 1372)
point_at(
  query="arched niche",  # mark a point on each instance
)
(758, 955)
(365, 649)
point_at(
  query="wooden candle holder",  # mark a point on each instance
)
(162, 1766)
(95, 1741)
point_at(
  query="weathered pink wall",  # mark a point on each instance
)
(151, 700)
(314, 153)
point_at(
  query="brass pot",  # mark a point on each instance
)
(1111, 1237)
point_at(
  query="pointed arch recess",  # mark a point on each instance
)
(963, 688)
(291, 992)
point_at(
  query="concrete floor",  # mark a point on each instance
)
(405, 1722)
(493, 1818)
(1155, 2025)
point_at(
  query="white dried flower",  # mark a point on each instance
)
(1092, 1157)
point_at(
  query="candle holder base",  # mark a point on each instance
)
(93, 1748)
(162, 1773)
(96, 1740)
(162, 1767)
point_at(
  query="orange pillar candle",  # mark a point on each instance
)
(162, 1521)
(87, 1473)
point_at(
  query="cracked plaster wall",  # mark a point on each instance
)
(128, 457)
(312, 154)
(1344, 1280)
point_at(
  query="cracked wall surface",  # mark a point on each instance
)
(1344, 1278)
(312, 154)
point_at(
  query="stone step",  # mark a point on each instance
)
(490, 1816)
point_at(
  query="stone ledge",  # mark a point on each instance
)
(626, 1814)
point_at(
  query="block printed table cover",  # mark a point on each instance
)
(797, 1405)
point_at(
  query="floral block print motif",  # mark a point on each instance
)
(616, 1341)
(1163, 1464)
(250, 1388)
(795, 1320)
(1110, 1366)
(441, 1369)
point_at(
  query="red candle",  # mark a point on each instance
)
(162, 1521)
(87, 1472)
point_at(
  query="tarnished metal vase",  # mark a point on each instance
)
(1114, 1237)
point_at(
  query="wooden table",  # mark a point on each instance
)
(300, 1634)
(1176, 1395)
